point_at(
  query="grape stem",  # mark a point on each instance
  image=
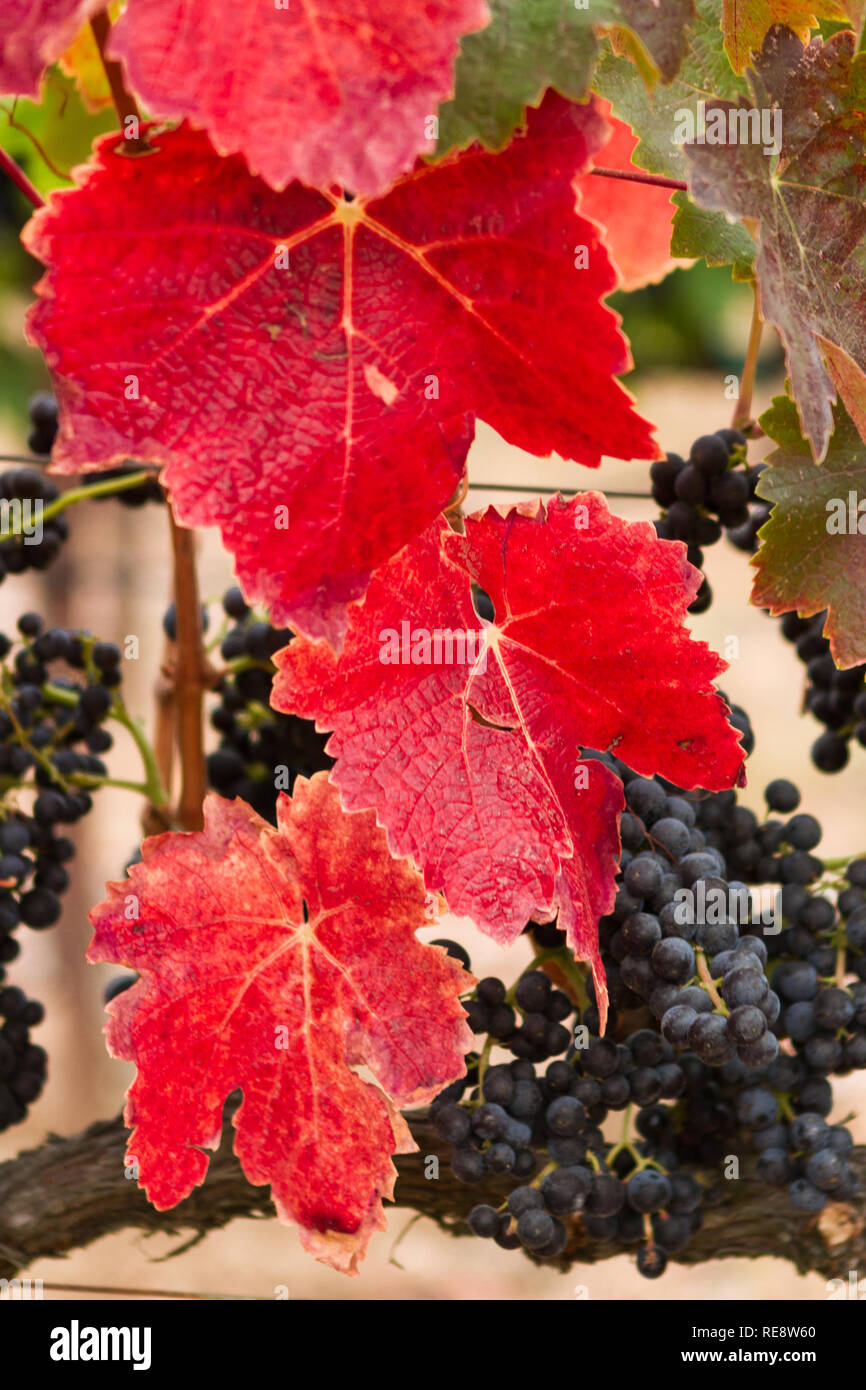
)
(834, 865)
(80, 494)
(841, 954)
(709, 984)
(152, 787)
(483, 1064)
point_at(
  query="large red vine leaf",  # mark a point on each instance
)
(344, 389)
(280, 961)
(472, 766)
(34, 33)
(811, 262)
(635, 218)
(813, 552)
(340, 93)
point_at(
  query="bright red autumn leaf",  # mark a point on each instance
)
(342, 93)
(472, 758)
(309, 370)
(635, 217)
(280, 961)
(33, 34)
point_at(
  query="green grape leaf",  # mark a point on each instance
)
(697, 232)
(811, 262)
(59, 129)
(813, 554)
(705, 74)
(531, 45)
(656, 118)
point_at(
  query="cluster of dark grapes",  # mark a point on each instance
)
(22, 1062)
(57, 688)
(261, 751)
(541, 1133)
(727, 1019)
(715, 491)
(837, 699)
(43, 413)
(36, 544)
(710, 492)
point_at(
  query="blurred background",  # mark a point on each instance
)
(113, 578)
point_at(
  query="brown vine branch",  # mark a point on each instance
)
(20, 179)
(70, 1192)
(638, 176)
(191, 679)
(124, 102)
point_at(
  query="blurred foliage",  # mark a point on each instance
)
(50, 138)
(695, 318)
(46, 140)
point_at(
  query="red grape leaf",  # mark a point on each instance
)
(336, 94)
(636, 219)
(849, 382)
(471, 764)
(745, 23)
(280, 961)
(341, 393)
(812, 553)
(34, 33)
(811, 262)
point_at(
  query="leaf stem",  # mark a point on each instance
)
(20, 179)
(639, 176)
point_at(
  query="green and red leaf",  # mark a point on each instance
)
(813, 552)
